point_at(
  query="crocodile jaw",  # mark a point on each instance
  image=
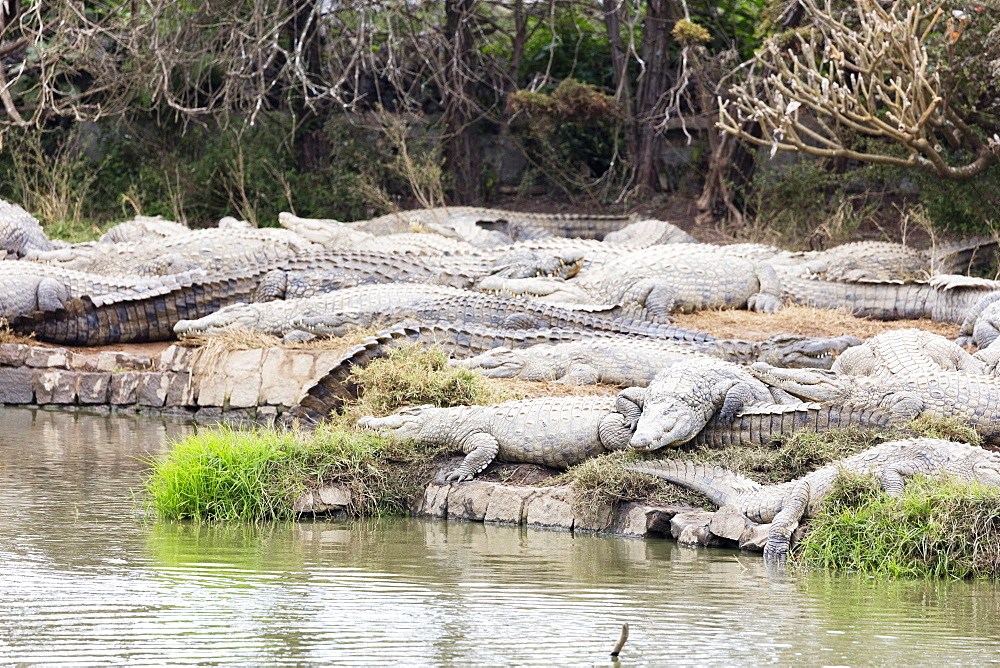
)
(809, 384)
(808, 352)
(402, 426)
(497, 363)
(244, 316)
(661, 429)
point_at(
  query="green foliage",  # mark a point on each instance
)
(571, 133)
(947, 428)
(937, 528)
(568, 46)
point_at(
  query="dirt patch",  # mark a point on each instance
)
(802, 320)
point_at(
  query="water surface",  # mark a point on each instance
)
(86, 578)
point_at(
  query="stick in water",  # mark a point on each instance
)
(621, 641)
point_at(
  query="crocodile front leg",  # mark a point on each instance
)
(629, 403)
(614, 431)
(481, 449)
(737, 397)
(786, 520)
(891, 475)
(768, 299)
(271, 287)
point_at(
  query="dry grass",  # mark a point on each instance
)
(7, 335)
(244, 339)
(802, 320)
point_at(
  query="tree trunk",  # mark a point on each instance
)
(458, 99)
(660, 18)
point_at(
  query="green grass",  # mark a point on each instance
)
(937, 528)
(224, 473)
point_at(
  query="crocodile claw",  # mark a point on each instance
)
(458, 475)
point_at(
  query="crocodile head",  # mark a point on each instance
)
(495, 363)
(404, 425)
(527, 263)
(805, 352)
(808, 384)
(987, 471)
(236, 316)
(665, 424)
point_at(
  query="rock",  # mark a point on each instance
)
(551, 507)
(692, 528)
(180, 391)
(176, 358)
(153, 386)
(55, 386)
(507, 504)
(469, 500)
(434, 502)
(118, 361)
(729, 522)
(93, 387)
(47, 358)
(13, 354)
(124, 388)
(243, 374)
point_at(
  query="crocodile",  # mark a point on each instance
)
(26, 287)
(212, 249)
(904, 351)
(945, 298)
(20, 233)
(660, 279)
(649, 232)
(975, 398)
(785, 505)
(314, 273)
(127, 317)
(552, 431)
(629, 362)
(682, 398)
(341, 311)
(142, 228)
(981, 324)
(455, 220)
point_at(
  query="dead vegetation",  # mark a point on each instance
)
(803, 320)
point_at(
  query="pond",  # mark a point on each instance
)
(86, 577)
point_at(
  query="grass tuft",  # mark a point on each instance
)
(949, 428)
(415, 374)
(228, 474)
(7, 335)
(937, 528)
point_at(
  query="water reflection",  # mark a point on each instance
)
(86, 578)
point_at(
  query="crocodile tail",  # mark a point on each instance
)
(718, 484)
(963, 256)
(334, 389)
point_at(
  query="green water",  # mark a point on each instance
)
(85, 579)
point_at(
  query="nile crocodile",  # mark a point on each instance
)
(945, 298)
(341, 311)
(904, 351)
(975, 398)
(456, 220)
(314, 273)
(20, 233)
(142, 228)
(552, 431)
(210, 249)
(26, 287)
(786, 504)
(682, 398)
(661, 279)
(630, 362)
(981, 324)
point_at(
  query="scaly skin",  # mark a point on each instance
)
(117, 318)
(26, 287)
(552, 431)
(945, 298)
(974, 398)
(682, 398)
(338, 312)
(464, 220)
(213, 249)
(661, 279)
(905, 351)
(627, 362)
(20, 233)
(786, 504)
